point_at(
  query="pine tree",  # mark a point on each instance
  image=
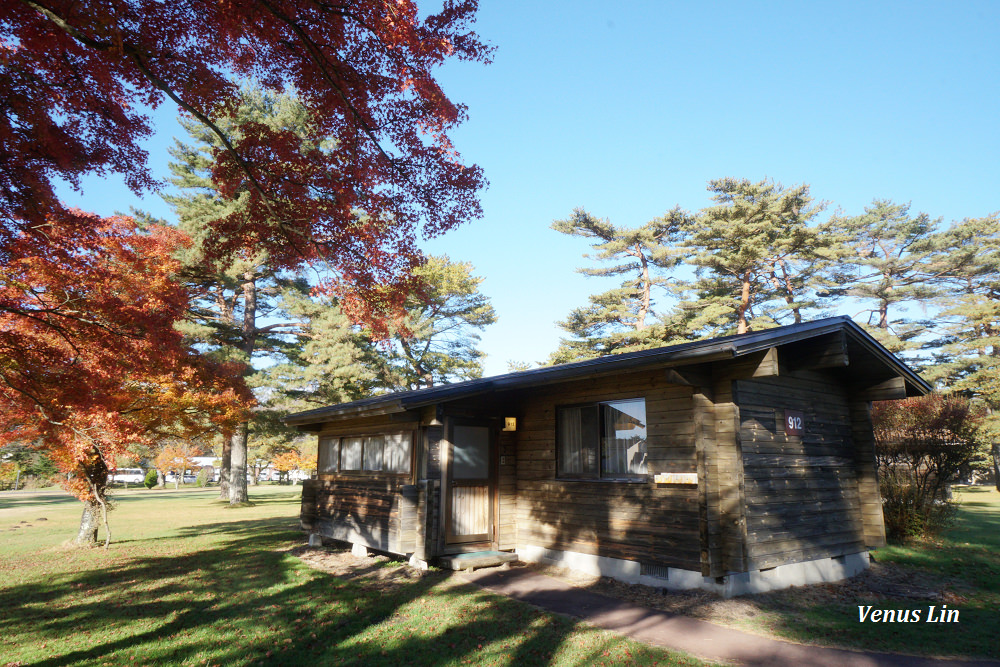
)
(756, 257)
(436, 341)
(887, 260)
(968, 351)
(623, 318)
(235, 294)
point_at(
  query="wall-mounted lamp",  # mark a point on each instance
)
(510, 423)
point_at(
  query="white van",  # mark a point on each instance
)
(127, 476)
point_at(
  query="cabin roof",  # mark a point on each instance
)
(873, 360)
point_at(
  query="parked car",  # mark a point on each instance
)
(186, 479)
(127, 476)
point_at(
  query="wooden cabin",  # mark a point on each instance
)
(738, 464)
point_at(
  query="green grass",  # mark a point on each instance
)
(965, 561)
(188, 582)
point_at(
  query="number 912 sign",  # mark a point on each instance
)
(795, 423)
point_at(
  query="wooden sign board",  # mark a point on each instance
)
(795, 422)
(676, 478)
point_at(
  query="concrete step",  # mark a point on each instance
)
(472, 560)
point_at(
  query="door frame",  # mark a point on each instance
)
(478, 540)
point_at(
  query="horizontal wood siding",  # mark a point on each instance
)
(641, 521)
(378, 510)
(801, 491)
(363, 511)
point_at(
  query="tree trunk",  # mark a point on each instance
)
(741, 312)
(161, 481)
(640, 317)
(225, 467)
(996, 465)
(89, 523)
(238, 466)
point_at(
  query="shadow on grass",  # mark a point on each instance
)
(244, 599)
(15, 499)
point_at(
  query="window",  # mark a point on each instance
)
(602, 440)
(329, 454)
(397, 452)
(374, 446)
(389, 453)
(350, 453)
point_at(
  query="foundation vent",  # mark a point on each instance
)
(655, 571)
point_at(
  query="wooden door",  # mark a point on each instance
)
(470, 488)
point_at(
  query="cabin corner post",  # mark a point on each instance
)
(307, 510)
(867, 473)
(732, 494)
(720, 475)
(703, 413)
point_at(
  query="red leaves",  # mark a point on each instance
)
(89, 359)
(75, 73)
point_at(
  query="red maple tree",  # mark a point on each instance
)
(91, 362)
(375, 170)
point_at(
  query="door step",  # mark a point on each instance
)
(474, 559)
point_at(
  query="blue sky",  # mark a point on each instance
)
(628, 110)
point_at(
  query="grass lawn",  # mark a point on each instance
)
(188, 581)
(964, 563)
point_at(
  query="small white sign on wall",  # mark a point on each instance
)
(676, 478)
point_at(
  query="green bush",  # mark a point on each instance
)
(202, 479)
(150, 480)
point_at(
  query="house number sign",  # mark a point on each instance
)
(795, 423)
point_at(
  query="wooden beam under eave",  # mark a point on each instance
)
(690, 376)
(892, 389)
(768, 365)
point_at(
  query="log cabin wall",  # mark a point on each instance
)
(376, 509)
(654, 524)
(801, 491)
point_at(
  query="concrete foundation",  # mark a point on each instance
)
(315, 540)
(758, 581)
(418, 563)
(359, 550)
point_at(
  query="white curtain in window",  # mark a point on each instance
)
(373, 452)
(350, 453)
(397, 452)
(329, 453)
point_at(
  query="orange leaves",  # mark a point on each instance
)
(286, 461)
(89, 359)
(76, 74)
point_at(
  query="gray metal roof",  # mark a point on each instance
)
(714, 349)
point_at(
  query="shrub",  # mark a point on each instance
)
(150, 480)
(202, 479)
(921, 444)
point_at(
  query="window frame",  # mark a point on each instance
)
(365, 466)
(600, 475)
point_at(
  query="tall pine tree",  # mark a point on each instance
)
(237, 312)
(623, 318)
(756, 257)
(888, 260)
(436, 342)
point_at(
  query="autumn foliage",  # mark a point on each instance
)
(89, 359)
(921, 445)
(375, 169)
